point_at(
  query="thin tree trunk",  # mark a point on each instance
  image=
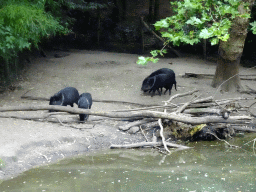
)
(7, 71)
(124, 9)
(205, 49)
(142, 36)
(99, 26)
(151, 12)
(230, 53)
(156, 11)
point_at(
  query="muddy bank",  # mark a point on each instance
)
(107, 76)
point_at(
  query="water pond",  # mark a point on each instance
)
(209, 166)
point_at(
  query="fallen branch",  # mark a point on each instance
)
(181, 95)
(240, 128)
(136, 123)
(249, 90)
(94, 100)
(149, 114)
(203, 110)
(183, 107)
(200, 76)
(49, 115)
(249, 109)
(162, 135)
(149, 144)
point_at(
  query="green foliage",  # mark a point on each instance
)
(144, 60)
(23, 23)
(200, 19)
(253, 28)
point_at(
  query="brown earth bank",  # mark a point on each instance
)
(107, 76)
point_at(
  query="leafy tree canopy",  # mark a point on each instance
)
(25, 22)
(199, 19)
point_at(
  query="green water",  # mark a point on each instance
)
(209, 166)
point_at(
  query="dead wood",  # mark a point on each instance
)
(183, 107)
(162, 135)
(50, 117)
(204, 110)
(253, 114)
(149, 114)
(195, 75)
(181, 95)
(248, 90)
(244, 129)
(94, 100)
(136, 123)
(149, 144)
(209, 76)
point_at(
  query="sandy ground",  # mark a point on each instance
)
(107, 76)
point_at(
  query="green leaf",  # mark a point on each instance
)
(253, 27)
(154, 60)
(194, 21)
(142, 61)
(225, 37)
(154, 53)
(214, 41)
(205, 34)
(161, 24)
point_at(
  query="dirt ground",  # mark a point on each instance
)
(25, 144)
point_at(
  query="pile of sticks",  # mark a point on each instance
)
(226, 111)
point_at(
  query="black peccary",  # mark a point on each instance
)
(147, 83)
(156, 82)
(66, 96)
(84, 102)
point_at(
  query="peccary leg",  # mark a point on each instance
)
(153, 92)
(159, 92)
(170, 89)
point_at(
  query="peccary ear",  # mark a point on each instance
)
(62, 98)
(152, 81)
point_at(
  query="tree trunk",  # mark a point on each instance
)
(156, 11)
(124, 9)
(230, 52)
(7, 71)
(151, 12)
